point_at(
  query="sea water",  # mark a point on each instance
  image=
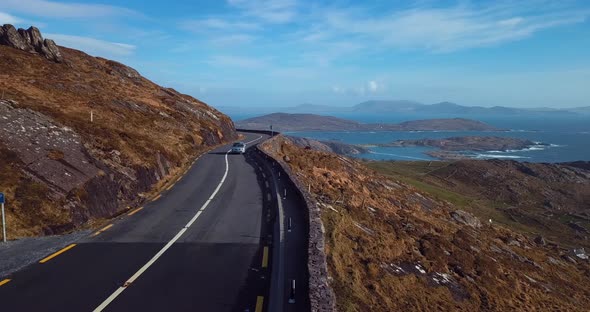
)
(567, 137)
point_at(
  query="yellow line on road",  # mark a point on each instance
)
(265, 257)
(4, 281)
(58, 253)
(169, 187)
(106, 228)
(102, 230)
(157, 197)
(134, 211)
(259, 303)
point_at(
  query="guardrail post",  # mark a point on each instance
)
(292, 293)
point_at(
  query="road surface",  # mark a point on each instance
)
(204, 245)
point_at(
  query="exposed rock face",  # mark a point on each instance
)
(54, 152)
(30, 40)
(466, 218)
(328, 146)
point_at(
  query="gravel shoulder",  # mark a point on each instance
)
(17, 254)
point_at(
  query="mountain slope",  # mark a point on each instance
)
(394, 247)
(85, 137)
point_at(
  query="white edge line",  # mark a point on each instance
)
(115, 294)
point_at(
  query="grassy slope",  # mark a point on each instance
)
(527, 218)
(374, 223)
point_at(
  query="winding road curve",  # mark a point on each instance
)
(204, 245)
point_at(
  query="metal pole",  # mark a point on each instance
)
(3, 224)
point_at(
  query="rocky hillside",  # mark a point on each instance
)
(394, 247)
(549, 201)
(84, 137)
(328, 146)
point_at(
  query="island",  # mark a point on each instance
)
(452, 148)
(312, 122)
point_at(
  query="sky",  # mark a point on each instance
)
(527, 53)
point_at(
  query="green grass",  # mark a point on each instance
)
(410, 173)
(415, 173)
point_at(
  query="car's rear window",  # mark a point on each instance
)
(239, 144)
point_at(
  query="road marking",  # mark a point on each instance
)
(135, 276)
(259, 303)
(4, 281)
(102, 230)
(277, 288)
(106, 228)
(134, 211)
(266, 183)
(157, 197)
(260, 137)
(169, 187)
(58, 253)
(265, 257)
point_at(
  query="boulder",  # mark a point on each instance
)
(466, 218)
(36, 38)
(12, 38)
(52, 53)
(539, 240)
(30, 40)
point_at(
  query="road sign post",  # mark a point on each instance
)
(272, 133)
(3, 218)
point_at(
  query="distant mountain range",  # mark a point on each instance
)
(313, 122)
(412, 107)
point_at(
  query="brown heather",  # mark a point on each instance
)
(393, 247)
(61, 171)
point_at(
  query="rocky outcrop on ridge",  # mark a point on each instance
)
(30, 40)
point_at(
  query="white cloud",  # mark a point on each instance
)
(46, 8)
(93, 46)
(6, 18)
(372, 86)
(208, 24)
(453, 28)
(236, 61)
(272, 11)
(230, 40)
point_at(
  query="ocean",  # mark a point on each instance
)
(568, 137)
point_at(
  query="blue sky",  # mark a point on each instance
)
(526, 53)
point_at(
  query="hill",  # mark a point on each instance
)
(448, 108)
(312, 122)
(392, 245)
(83, 138)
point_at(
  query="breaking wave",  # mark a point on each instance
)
(481, 156)
(396, 155)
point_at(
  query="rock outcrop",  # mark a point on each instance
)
(30, 40)
(328, 146)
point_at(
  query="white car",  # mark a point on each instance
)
(238, 148)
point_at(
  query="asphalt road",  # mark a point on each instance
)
(199, 247)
